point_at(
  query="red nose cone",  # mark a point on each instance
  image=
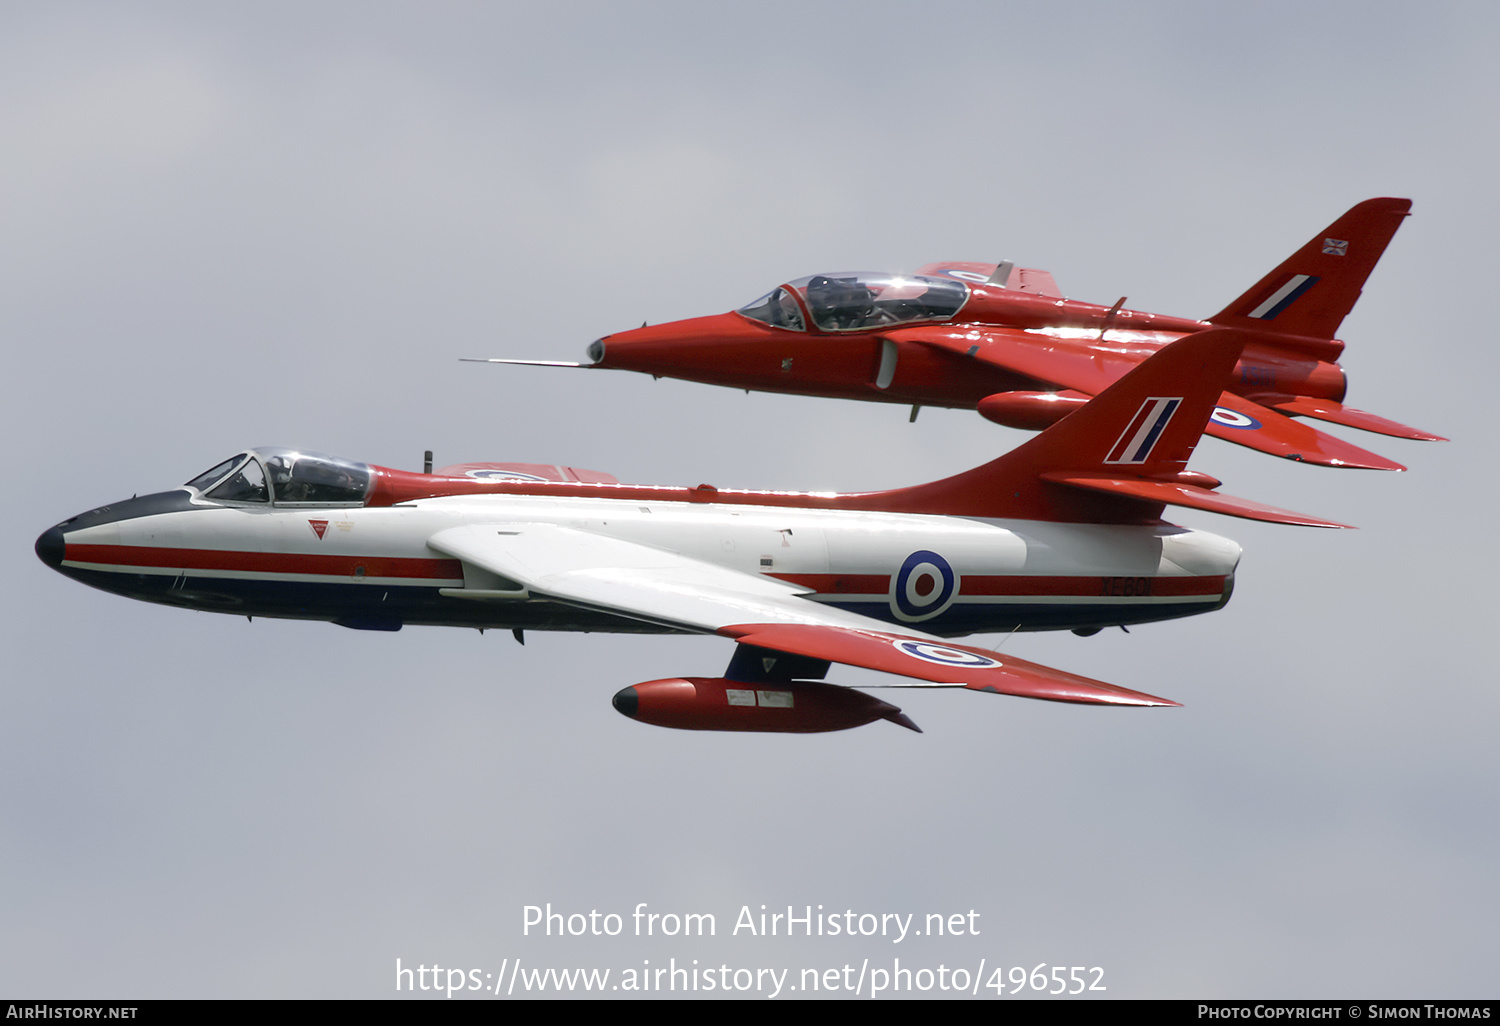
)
(705, 348)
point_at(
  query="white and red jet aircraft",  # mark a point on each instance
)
(1064, 532)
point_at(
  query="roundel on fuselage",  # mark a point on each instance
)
(923, 587)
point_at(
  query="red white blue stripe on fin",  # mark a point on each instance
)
(1146, 427)
(1284, 296)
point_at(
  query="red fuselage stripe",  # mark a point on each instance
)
(973, 586)
(265, 562)
(1018, 584)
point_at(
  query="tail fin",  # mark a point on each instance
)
(1118, 459)
(1312, 291)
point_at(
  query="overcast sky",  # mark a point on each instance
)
(224, 226)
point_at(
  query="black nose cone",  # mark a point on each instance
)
(627, 702)
(50, 547)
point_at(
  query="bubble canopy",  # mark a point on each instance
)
(286, 477)
(858, 301)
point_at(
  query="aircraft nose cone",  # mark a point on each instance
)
(627, 701)
(50, 547)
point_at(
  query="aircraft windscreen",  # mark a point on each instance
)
(861, 301)
(248, 484)
(208, 477)
(778, 309)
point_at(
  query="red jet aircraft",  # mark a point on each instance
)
(1064, 532)
(1003, 340)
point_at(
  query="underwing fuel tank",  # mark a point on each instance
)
(1029, 411)
(795, 707)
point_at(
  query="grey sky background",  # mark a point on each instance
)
(226, 226)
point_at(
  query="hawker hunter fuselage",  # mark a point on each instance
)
(373, 567)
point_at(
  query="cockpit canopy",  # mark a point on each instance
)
(858, 301)
(286, 477)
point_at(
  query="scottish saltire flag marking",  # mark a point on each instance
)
(1336, 247)
(1137, 441)
(1283, 297)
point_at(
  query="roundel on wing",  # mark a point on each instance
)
(1233, 418)
(944, 656)
(969, 276)
(923, 587)
(490, 474)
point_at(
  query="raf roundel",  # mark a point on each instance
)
(969, 276)
(944, 656)
(501, 475)
(923, 587)
(1232, 418)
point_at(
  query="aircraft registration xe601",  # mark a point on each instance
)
(1063, 532)
(1003, 340)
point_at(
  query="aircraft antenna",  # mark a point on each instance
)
(1001, 274)
(1109, 318)
(1007, 638)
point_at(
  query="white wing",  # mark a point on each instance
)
(666, 588)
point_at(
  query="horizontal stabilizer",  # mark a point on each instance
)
(1337, 413)
(1261, 428)
(1179, 494)
(977, 669)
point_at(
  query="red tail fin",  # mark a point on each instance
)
(1118, 459)
(1313, 290)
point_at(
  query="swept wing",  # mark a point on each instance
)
(597, 572)
(1088, 369)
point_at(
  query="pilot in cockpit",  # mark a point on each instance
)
(839, 302)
